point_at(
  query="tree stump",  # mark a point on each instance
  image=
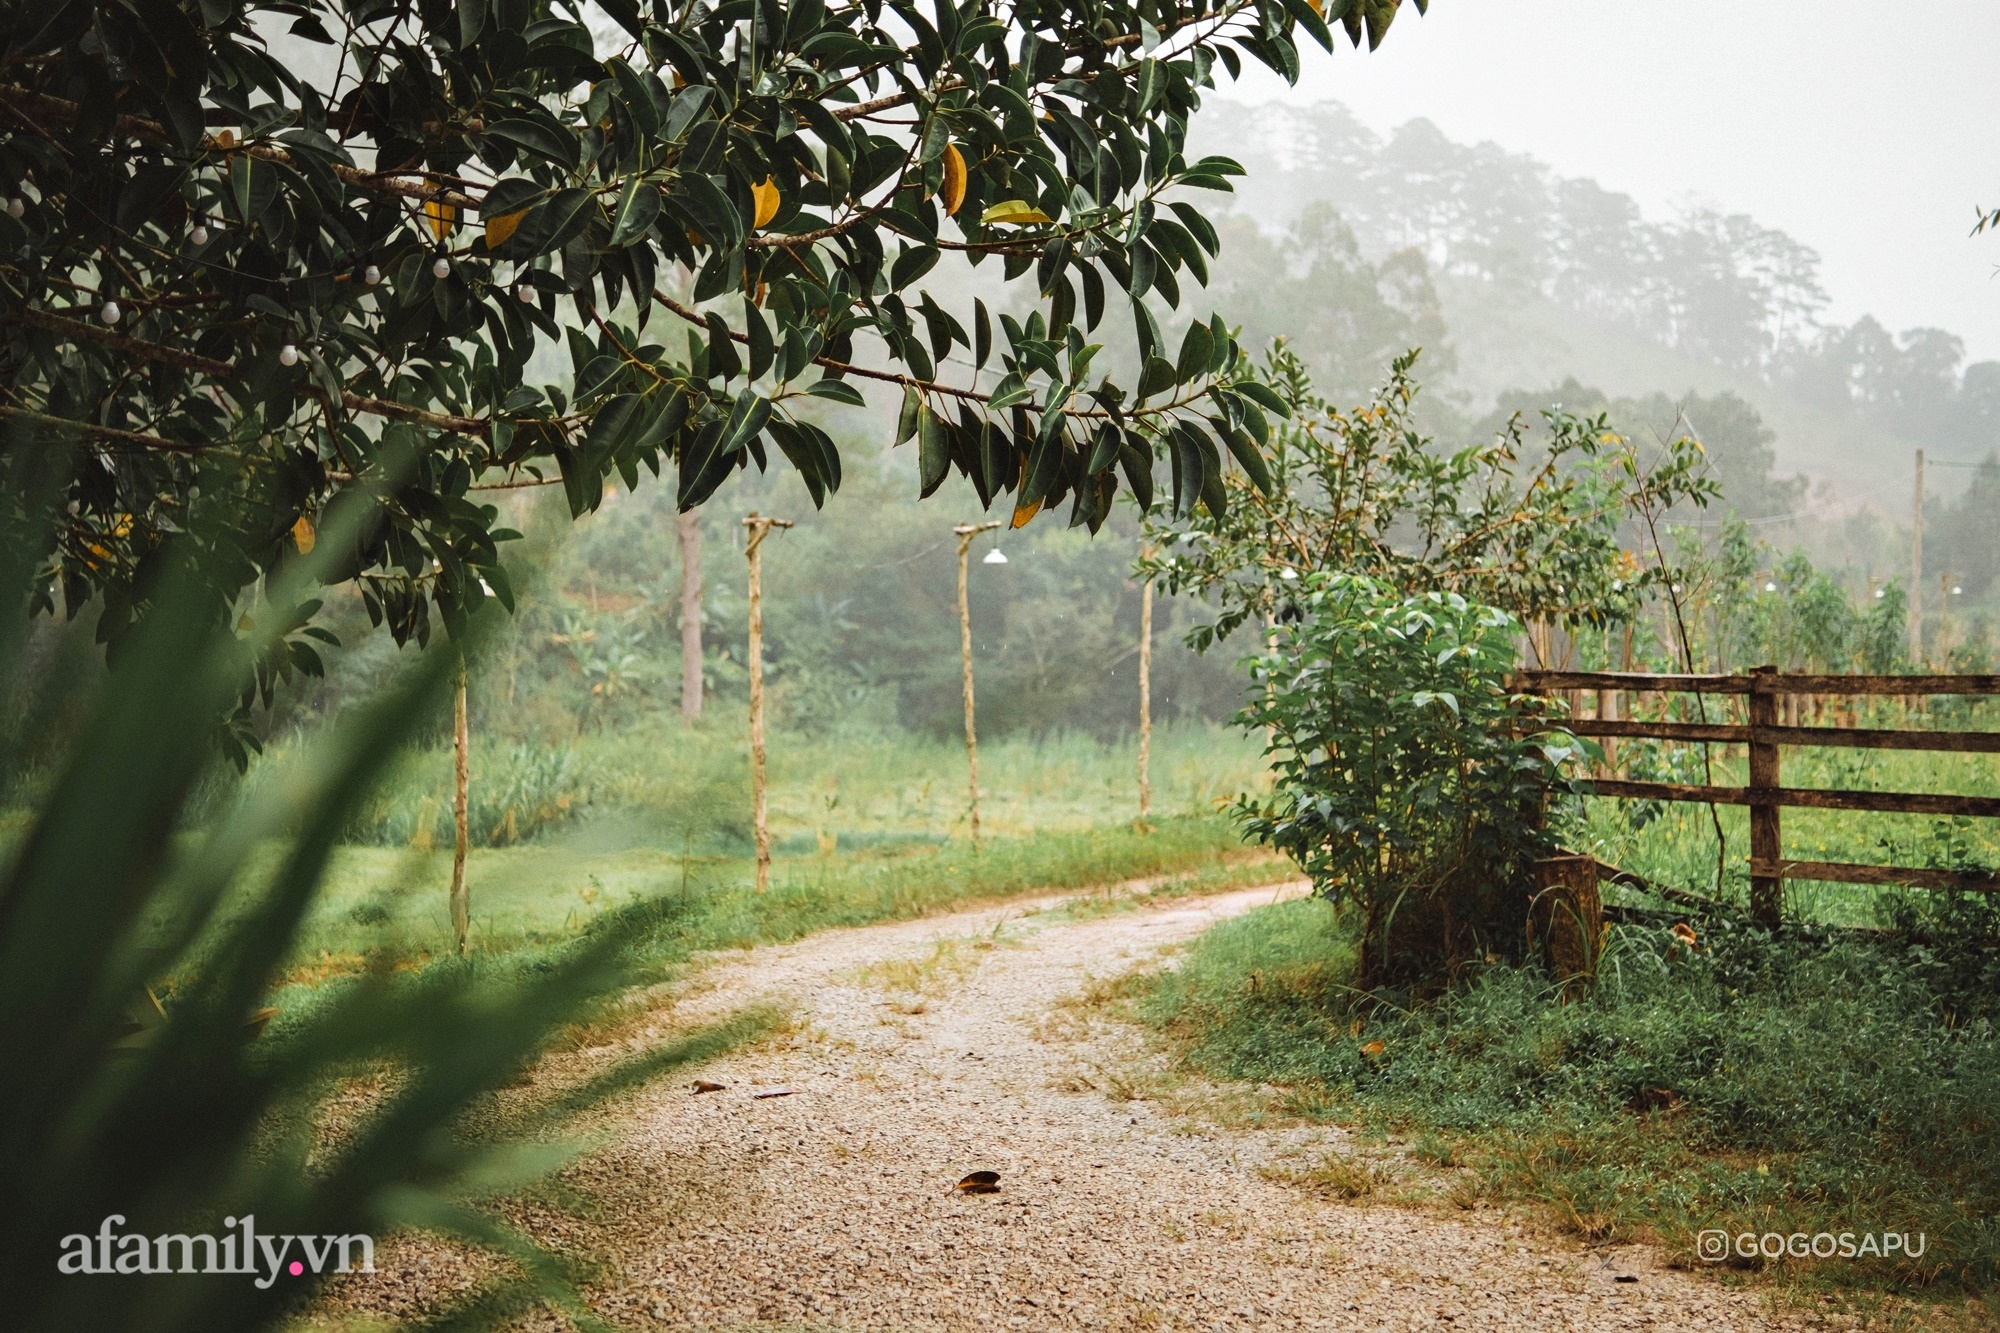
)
(1567, 917)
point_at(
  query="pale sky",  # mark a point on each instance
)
(1865, 130)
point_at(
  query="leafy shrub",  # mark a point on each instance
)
(1409, 780)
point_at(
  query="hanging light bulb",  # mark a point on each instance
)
(16, 206)
(372, 276)
(288, 355)
(441, 267)
(525, 291)
(996, 556)
(198, 234)
(109, 312)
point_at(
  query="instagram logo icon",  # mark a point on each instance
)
(1712, 1246)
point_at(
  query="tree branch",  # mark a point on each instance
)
(911, 381)
(173, 356)
(92, 430)
(44, 107)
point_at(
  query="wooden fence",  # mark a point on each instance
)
(1764, 737)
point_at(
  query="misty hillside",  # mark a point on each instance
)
(1517, 279)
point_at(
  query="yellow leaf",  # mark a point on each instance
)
(500, 228)
(226, 139)
(303, 535)
(1026, 512)
(1372, 1048)
(954, 179)
(441, 216)
(1319, 7)
(766, 195)
(1016, 211)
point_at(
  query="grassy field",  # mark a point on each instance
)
(865, 830)
(1815, 1085)
(659, 784)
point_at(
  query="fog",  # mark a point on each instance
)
(1862, 130)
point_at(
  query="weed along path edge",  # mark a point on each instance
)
(815, 1189)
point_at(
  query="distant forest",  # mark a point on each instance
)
(1720, 291)
(1528, 288)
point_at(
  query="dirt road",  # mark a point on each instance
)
(928, 1050)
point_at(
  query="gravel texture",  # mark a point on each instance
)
(922, 1051)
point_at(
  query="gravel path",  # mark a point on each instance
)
(929, 1049)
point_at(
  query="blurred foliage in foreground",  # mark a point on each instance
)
(201, 1119)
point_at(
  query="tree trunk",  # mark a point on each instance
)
(1568, 916)
(690, 534)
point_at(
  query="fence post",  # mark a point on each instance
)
(1767, 890)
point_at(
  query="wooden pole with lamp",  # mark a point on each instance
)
(965, 532)
(759, 527)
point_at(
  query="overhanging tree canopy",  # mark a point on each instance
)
(233, 292)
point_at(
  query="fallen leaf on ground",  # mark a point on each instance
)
(1372, 1048)
(773, 1092)
(979, 1182)
(703, 1085)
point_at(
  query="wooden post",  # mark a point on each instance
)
(1767, 891)
(461, 786)
(1271, 683)
(1917, 566)
(965, 532)
(1568, 916)
(759, 527)
(1145, 697)
(1607, 710)
(690, 535)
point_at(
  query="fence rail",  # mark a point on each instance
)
(1542, 682)
(1764, 739)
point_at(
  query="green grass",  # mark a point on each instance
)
(654, 820)
(659, 784)
(1811, 1083)
(388, 904)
